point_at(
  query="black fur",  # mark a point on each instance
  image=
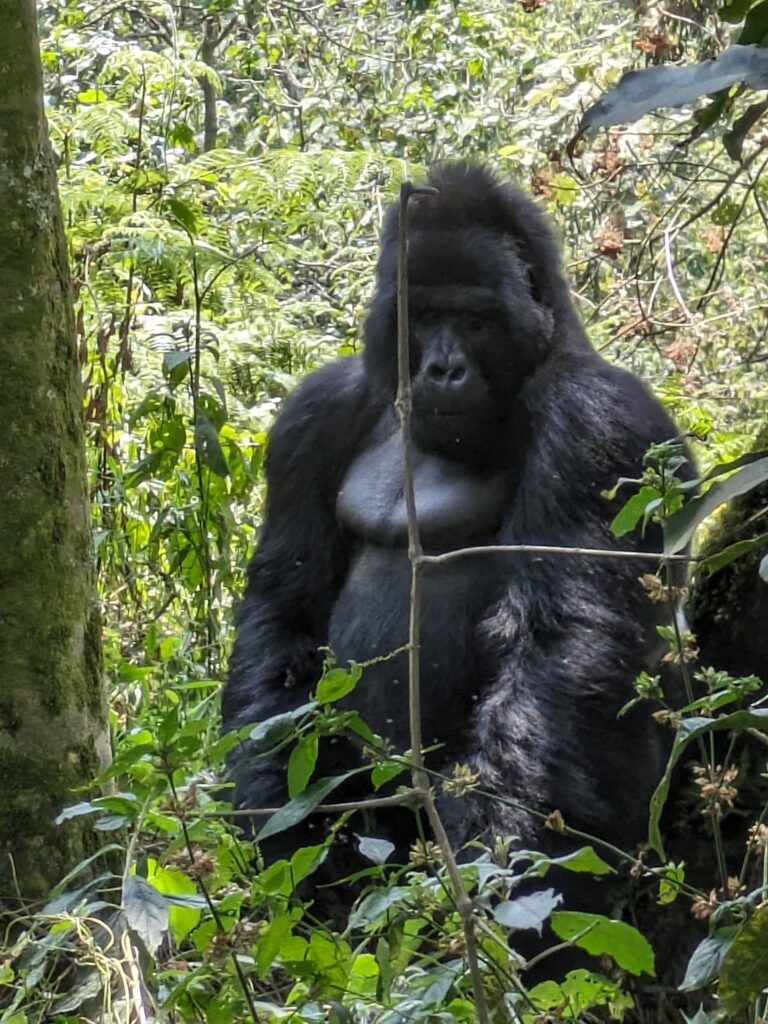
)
(519, 427)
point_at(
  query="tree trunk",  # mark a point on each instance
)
(53, 734)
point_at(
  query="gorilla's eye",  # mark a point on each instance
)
(475, 322)
(426, 318)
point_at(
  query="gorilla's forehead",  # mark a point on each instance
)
(441, 296)
(472, 257)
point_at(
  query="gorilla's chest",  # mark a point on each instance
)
(455, 506)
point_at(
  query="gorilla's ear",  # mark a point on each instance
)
(538, 250)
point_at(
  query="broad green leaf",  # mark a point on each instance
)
(744, 972)
(75, 811)
(337, 683)
(298, 808)
(306, 859)
(274, 730)
(718, 561)
(598, 935)
(271, 941)
(679, 528)
(181, 894)
(527, 912)
(375, 850)
(670, 883)
(146, 912)
(371, 907)
(301, 764)
(176, 366)
(639, 92)
(581, 861)
(208, 446)
(384, 773)
(705, 962)
(627, 518)
(186, 215)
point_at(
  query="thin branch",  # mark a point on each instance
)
(553, 549)
(671, 276)
(395, 800)
(421, 781)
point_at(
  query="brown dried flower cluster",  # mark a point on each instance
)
(421, 854)
(689, 652)
(658, 591)
(555, 821)
(463, 781)
(758, 837)
(202, 866)
(610, 240)
(716, 789)
(703, 907)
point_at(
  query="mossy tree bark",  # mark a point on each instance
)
(53, 734)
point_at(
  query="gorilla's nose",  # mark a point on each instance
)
(447, 371)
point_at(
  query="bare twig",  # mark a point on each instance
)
(671, 276)
(353, 805)
(421, 783)
(552, 549)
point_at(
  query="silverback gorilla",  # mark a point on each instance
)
(519, 427)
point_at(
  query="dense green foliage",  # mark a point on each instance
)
(223, 170)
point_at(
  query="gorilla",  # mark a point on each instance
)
(518, 430)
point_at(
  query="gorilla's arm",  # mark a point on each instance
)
(571, 632)
(294, 576)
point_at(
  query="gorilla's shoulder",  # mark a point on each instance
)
(594, 397)
(324, 413)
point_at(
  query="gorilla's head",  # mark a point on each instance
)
(488, 304)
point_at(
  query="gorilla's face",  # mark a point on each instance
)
(460, 367)
(476, 333)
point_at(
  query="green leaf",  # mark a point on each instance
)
(298, 808)
(337, 683)
(272, 731)
(722, 558)
(527, 913)
(176, 366)
(581, 861)
(629, 515)
(271, 940)
(375, 850)
(671, 882)
(91, 96)
(186, 215)
(75, 811)
(679, 528)
(598, 935)
(301, 764)
(384, 773)
(705, 962)
(744, 973)
(755, 25)
(690, 729)
(146, 912)
(375, 904)
(208, 446)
